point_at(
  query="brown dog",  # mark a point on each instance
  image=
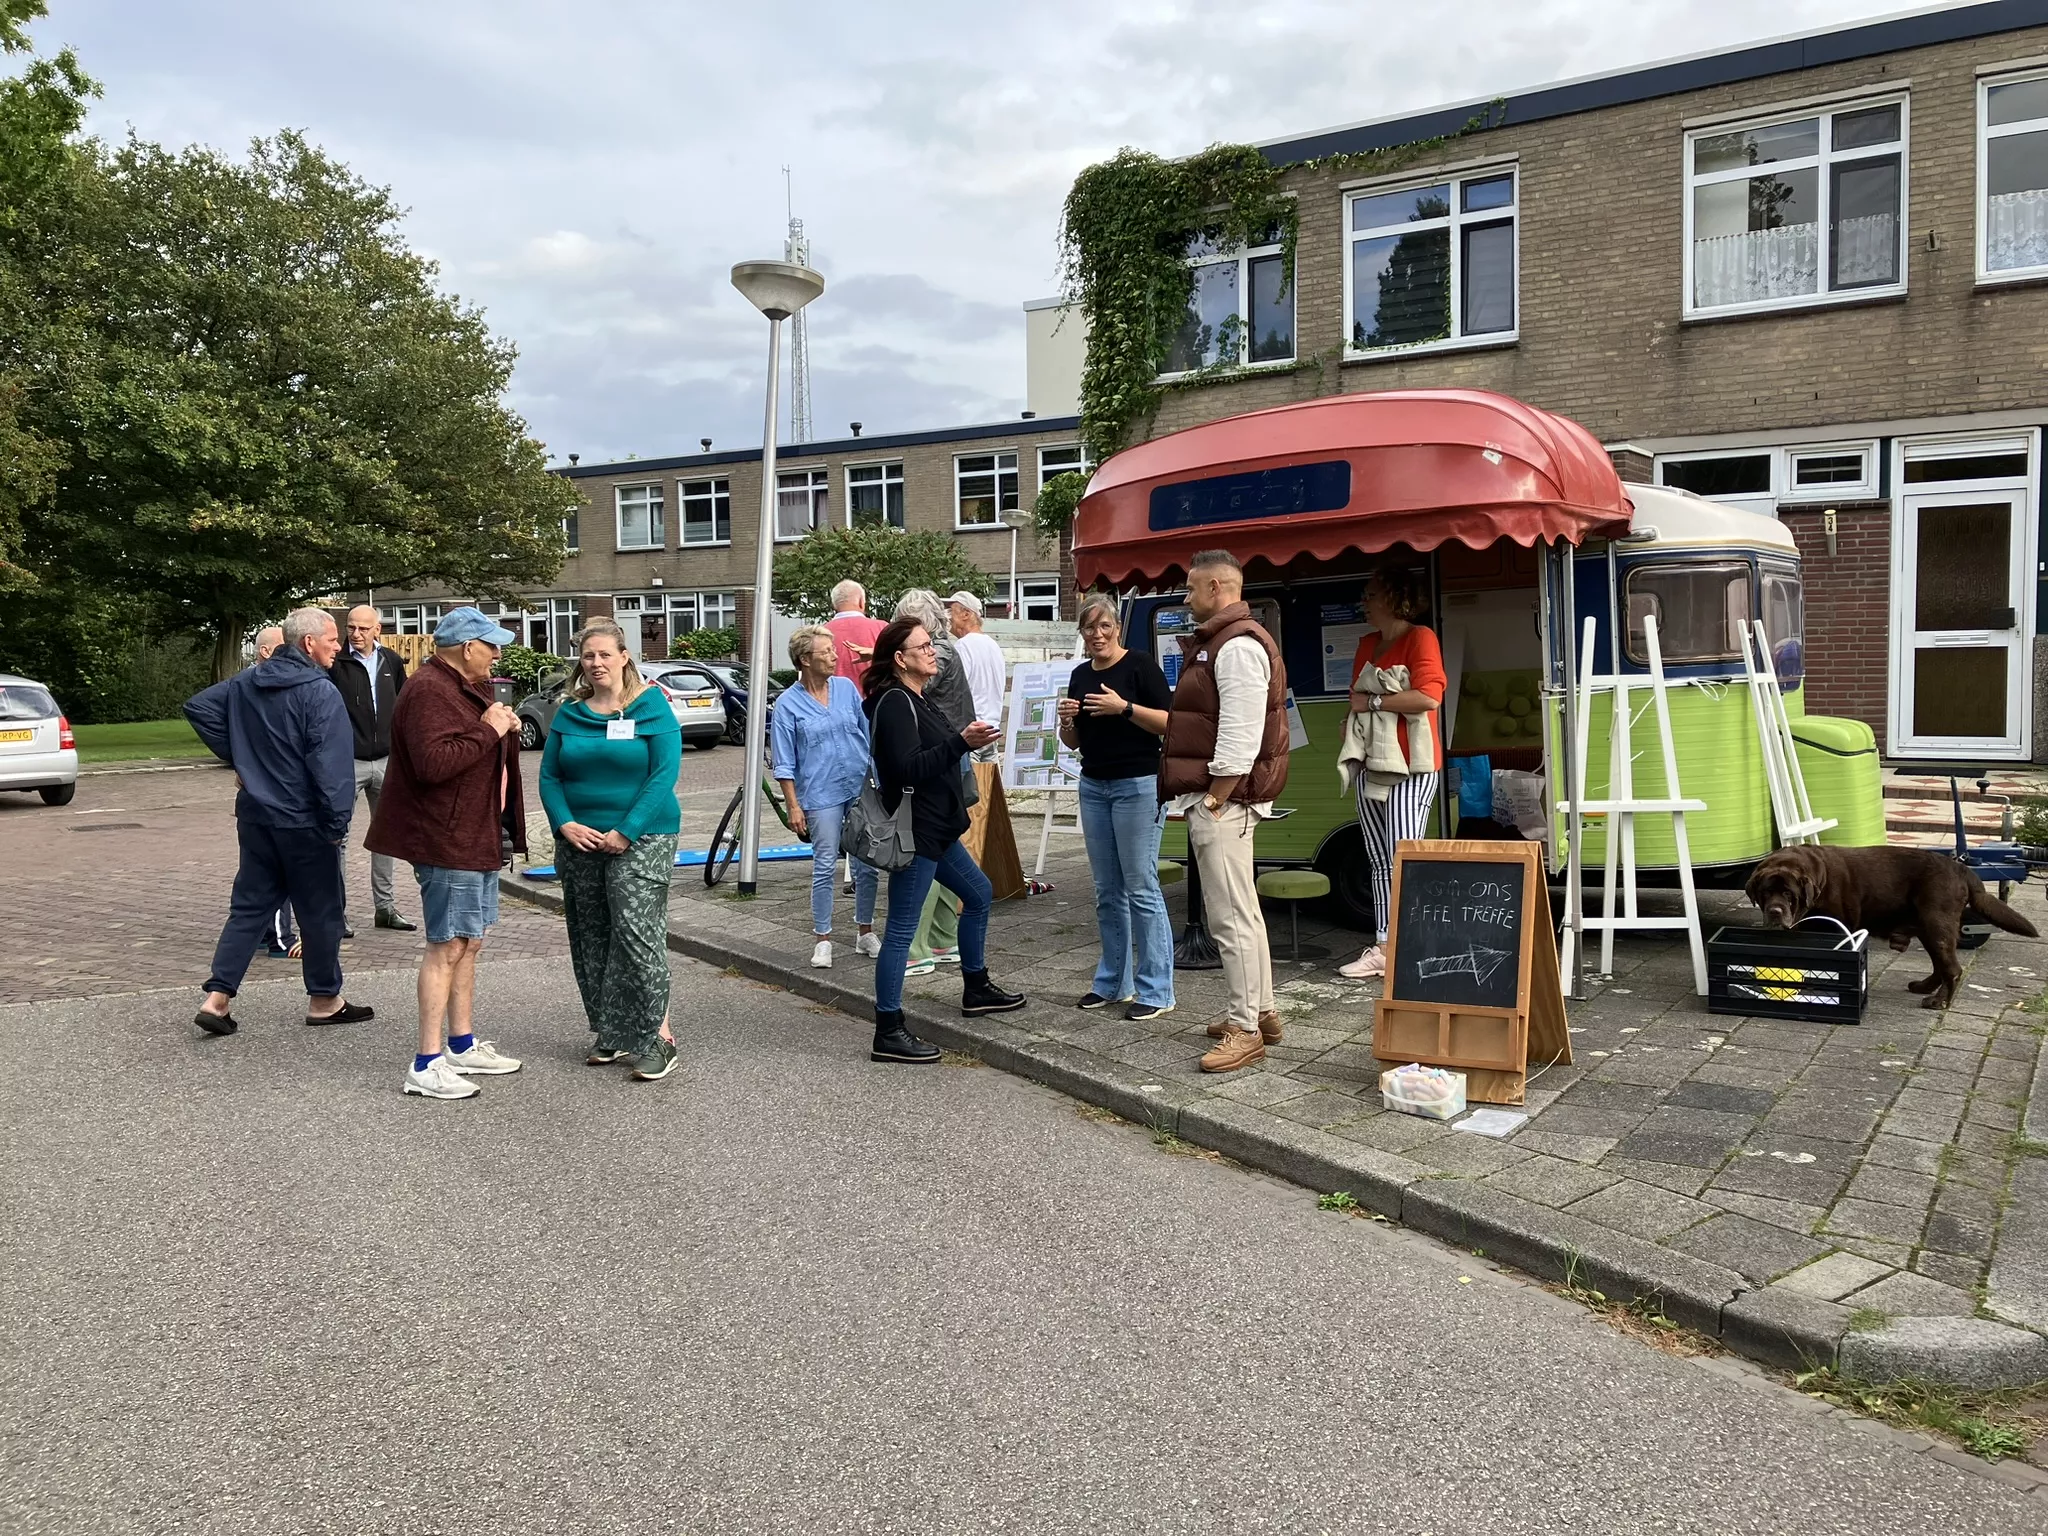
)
(1897, 893)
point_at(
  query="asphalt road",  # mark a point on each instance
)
(246, 1286)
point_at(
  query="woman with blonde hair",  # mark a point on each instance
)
(818, 750)
(608, 781)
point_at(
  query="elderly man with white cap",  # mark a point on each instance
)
(981, 659)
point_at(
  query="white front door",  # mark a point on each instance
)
(1962, 574)
(627, 611)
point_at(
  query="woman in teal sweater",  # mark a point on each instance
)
(608, 781)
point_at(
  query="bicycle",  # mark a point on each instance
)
(725, 842)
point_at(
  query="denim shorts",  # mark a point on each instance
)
(458, 903)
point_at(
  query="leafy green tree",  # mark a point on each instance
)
(887, 561)
(263, 399)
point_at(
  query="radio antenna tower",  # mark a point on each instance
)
(798, 250)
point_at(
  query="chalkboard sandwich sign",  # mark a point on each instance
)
(1472, 979)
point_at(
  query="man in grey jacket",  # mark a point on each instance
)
(283, 729)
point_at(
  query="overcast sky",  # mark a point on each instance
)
(588, 172)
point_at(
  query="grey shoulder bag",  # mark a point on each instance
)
(870, 833)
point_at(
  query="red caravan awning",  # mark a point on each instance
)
(1364, 472)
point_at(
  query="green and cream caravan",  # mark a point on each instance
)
(1499, 609)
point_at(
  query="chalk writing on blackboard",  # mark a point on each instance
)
(1457, 934)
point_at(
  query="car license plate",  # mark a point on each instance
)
(17, 735)
(698, 703)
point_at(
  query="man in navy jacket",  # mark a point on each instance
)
(285, 731)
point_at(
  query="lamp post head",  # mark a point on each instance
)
(777, 288)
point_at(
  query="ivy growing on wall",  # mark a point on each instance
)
(1124, 239)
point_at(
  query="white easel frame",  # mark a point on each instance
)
(1790, 806)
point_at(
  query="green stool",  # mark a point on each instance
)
(1293, 886)
(1172, 872)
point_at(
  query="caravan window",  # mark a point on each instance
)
(1785, 622)
(1699, 611)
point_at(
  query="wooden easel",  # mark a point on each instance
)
(1623, 805)
(1790, 807)
(1491, 1046)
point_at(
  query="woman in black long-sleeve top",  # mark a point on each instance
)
(918, 751)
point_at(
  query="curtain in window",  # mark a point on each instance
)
(1866, 250)
(1761, 264)
(2016, 230)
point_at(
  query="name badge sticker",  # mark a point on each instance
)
(1201, 655)
(619, 730)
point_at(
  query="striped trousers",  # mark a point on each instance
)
(1402, 817)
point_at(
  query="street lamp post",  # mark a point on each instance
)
(778, 289)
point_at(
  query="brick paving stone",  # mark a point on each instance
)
(1723, 1097)
(1957, 1269)
(1888, 1151)
(1674, 1177)
(1892, 1186)
(1865, 1218)
(1641, 1210)
(1891, 1255)
(1967, 1208)
(1318, 1107)
(1551, 1181)
(1473, 1157)
(1687, 1148)
(1753, 1248)
(1832, 1277)
(1911, 1295)
(1578, 1149)
(1567, 1119)
(1789, 1214)
(1392, 1132)
(1810, 1184)
(1598, 1093)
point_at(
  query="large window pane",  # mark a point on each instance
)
(2016, 200)
(1489, 296)
(1863, 214)
(1699, 611)
(1961, 577)
(1272, 314)
(1746, 474)
(1493, 192)
(1960, 691)
(1756, 238)
(1756, 146)
(1401, 289)
(1409, 207)
(1209, 330)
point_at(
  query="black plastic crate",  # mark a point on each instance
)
(1788, 973)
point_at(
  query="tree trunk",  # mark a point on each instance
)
(227, 650)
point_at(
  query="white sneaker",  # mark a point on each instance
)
(440, 1080)
(821, 955)
(482, 1059)
(945, 957)
(1368, 965)
(869, 944)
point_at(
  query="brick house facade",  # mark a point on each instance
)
(1809, 276)
(668, 545)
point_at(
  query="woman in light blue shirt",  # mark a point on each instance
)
(818, 748)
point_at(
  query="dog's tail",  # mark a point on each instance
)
(1999, 915)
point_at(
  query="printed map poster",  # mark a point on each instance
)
(1032, 755)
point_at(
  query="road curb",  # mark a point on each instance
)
(1775, 1327)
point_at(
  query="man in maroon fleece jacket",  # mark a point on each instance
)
(451, 785)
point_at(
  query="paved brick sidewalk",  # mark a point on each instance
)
(1796, 1175)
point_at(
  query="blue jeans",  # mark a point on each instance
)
(457, 903)
(824, 824)
(1120, 822)
(958, 873)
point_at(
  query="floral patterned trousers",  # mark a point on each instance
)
(617, 908)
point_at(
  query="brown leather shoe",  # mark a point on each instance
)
(1270, 1029)
(1239, 1048)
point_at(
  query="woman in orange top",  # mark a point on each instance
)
(1393, 598)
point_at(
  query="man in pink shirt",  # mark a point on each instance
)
(853, 630)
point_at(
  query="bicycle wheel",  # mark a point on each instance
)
(725, 842)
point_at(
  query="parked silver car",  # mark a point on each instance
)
(695, 702)
(37, 750)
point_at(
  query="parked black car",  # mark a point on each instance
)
(695, 701)
(730, 679)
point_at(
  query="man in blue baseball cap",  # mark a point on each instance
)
(452, 785)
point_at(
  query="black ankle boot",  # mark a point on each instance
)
(895, 1043)
(980, 995)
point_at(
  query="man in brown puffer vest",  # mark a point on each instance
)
(1225, 759)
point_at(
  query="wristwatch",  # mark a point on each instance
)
(1128, 709)
(1211, 804)
(1378, 703)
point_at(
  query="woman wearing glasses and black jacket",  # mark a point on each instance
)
(918, 751)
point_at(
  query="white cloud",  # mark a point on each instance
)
(588, 175)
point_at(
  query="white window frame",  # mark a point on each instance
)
(1986, 133)
(728, 604)
(1863, 488)
(656, 506)
(566, 612)
(1033, 590)
(1454, 221)
(1821, 163)
(717, 488)
(572, 532)
(1244, 256)
(817, 484)
(997, 471)
(1083, 463)
(892, 474)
